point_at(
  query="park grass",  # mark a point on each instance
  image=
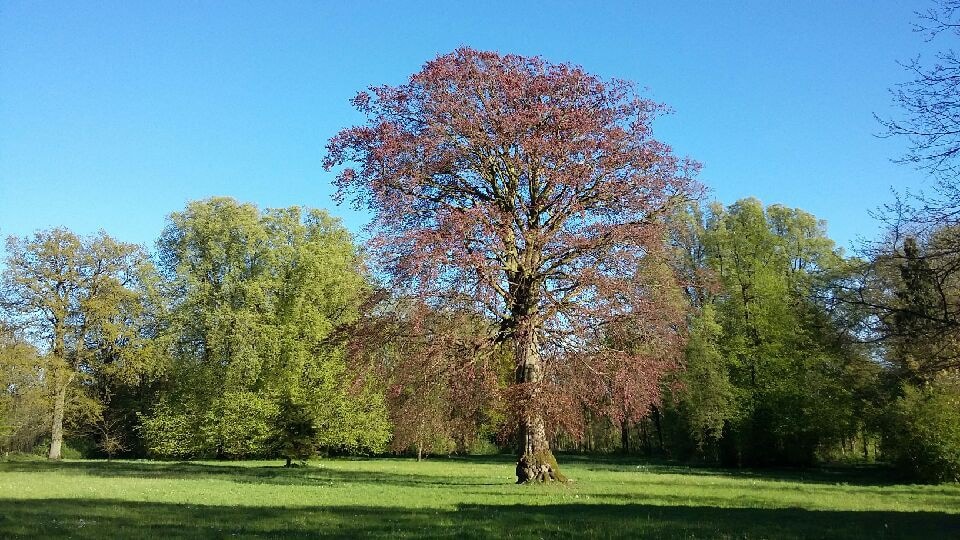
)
(460, 498)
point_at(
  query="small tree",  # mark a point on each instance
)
(296, 434)
(535, 189)
(923, 436)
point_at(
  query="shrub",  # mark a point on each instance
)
(923, 436)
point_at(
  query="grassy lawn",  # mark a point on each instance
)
(455, 498)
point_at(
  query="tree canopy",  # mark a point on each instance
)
(255, 300)
(535, 189)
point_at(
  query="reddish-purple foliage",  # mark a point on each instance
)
(538, 191)
(441, 382)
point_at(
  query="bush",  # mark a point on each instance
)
(67, 451)
(484, 447)
(923, 437)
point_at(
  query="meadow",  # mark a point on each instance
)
(460, 498)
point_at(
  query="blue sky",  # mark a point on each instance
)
(113, 114)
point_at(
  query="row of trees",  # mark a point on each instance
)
(227, 347)
(261, 333)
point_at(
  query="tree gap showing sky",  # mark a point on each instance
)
(114, 114)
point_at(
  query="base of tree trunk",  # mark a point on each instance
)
(538, 467)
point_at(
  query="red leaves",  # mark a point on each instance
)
(527, 186)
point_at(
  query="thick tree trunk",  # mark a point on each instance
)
(535, 461)
(56, 432)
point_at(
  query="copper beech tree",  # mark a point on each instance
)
(536, 190)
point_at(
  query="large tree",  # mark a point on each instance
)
(78, 296)
(772, 379)
(535, 188)
(255, 299)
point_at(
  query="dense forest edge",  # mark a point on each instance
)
(252, 334)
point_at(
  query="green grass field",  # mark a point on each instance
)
(456, 498)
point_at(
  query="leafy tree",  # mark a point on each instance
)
(296, 432)
(924, 434)
(707, 397)
(77, 296)
(440, 387)
(255, 299)
(785, 352)
(24, 407)
(909, 292)
(770, 365)
(535, 189)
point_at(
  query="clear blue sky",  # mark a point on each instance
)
(113, 114)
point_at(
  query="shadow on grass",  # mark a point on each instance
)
(59, 518)
(859, 475)
(317, 474)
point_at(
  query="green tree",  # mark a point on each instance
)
(768, 363)
(706, 396)
(255, 302)
(77, 296)
(924, 435)
(24, 407)
(909, 292)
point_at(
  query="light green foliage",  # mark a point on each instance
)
(24, 400)
(707, 397)
(765, 359)
(460, 498)
(81, 299)
(256, 298)
(170, 432)
(238, 422)
(923, 437)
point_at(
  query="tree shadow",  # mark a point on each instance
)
(859, 475)
(318, 474)
(112, 518)
(266, 474)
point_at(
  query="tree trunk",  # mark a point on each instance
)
(644, 436)
(659, 427)
(289, 462)
(56, 432)
(419, 452)
(535, 461)
(625, 437)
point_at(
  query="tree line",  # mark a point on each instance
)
(252, 333)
